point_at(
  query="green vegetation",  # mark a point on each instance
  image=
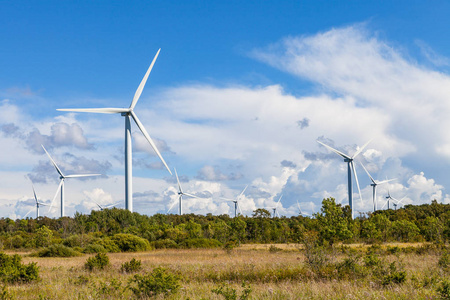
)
(159, 281)
(99, 262)
(115, 230)
(133, 265)
(13, 271)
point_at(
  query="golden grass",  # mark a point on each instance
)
(64, 278)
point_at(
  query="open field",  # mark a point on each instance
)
(272, 274)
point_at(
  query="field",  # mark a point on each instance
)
(271, 271)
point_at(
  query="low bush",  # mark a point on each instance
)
(444, 289)
(99, 261)
(94, 248)
(133, 265)
(274, 249)
(164, 244)
(444, 261)
(201, 243)
(57, 250)
(13, 271)
(231, 294)
(130, 243)
(159, 281)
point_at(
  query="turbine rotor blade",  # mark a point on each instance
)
(179, 185)
(142, 84)
(34, 192)
(53, 162)
(371, 178)
(242, 192)
(149, 139)
(56, 194)
(107, 110)
(361, 149)
(386, 181)
(28, 213)
(239, 207)
(173, 204)
(357, 183)
(335, 151)
(190, 195)
(81, 175)
(278, 201)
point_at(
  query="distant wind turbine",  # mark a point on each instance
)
(389, 198)
(275, 211)
(300, 210)
(350, 166)
(236, 202)
(102, 207)
(38, 204)
(180, 195)
(127, 113)
(62, 177)
(374, 185)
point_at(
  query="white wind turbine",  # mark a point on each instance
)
(236, 201)
(275, 211)
(388, 201)
(127, 113)
(102, 207)
(38, 204)
(300, 210)
(350, 167)
(374, 185)
(180, 195)
(62, 177)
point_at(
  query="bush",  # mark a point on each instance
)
(130, 243)
(444, 261)
(109, 245)
(201, 243)
(94, 248)
(13, 271)
(231, 294)
(57, 250)
(165, 244)
(99, 261)
(158, 282)
(274, 249)
(444, 289)
(133, 265)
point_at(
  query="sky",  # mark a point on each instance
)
(239, 95)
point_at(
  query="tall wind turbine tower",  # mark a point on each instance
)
(374, 185)
(236, 202)
(62, 177)
(350, 167)
(127, 113)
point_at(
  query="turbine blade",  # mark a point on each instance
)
(335, 151)
(81, 175)
(357, 183)
(386, 181)
(227, 199)
(149, 139)
(107, 110)
(178, 180)
(190, 195)
(53, 162)
(142, 84)
(34, 192)
(28, 213)
(171, 206)
(242, 193)
(239, 207)
(276, 206)
(371, 178)
(361, 149)
(384, 205)
(56, 194)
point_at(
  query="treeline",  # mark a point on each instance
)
(113, 230)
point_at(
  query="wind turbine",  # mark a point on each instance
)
(374, 187)
(38, 204)
(180, 195)
(275, 211)
(236, 201)
(300, 210)
(127, 113)
(350, 166)
(389, 198)
(102, 207)
(62, 177)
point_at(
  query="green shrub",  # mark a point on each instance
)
(274, 249)
(99, 261)
(94, 248)
(201, 243)
(394, 275)
(130, 243)
(159, 281)
(231, 294)
(109, 245)
(57, 250)
(133, 265)
(13, 271)
(164, 244)
(444, 261)
(444, 289)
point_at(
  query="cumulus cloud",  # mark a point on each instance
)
(213, 173)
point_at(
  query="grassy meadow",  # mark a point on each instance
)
(279, 271)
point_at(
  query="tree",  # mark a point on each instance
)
(333, 222)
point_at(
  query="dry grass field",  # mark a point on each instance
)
(272, 273)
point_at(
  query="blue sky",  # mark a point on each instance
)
(239, 94)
